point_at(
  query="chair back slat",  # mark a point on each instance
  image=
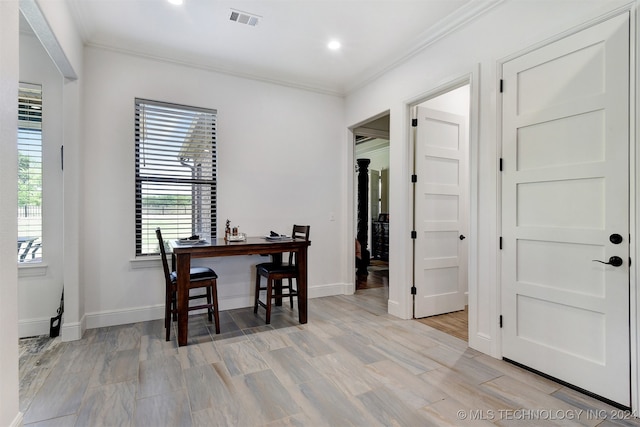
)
(163, 255)
(300, 232)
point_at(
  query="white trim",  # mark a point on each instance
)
(73, 331)
(634, 216)
(395, 309)
(38, 22)
(34, 327)
(32, 269)
(145, 262)
(238, 73)
(371, 133)
(461, 17)
(18, 420)
(108, 318)
(329, 289)
(477, 340)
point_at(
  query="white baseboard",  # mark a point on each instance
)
(33, 327)
(74, 331)
(123, 317)
(393, 308)
(328, 290)
(482, 343)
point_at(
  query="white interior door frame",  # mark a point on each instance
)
(483, 341)
(634, 183)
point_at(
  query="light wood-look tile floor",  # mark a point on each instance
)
(455, 323)
(351, 365)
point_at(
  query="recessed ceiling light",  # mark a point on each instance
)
(334, 45)
(176, 2)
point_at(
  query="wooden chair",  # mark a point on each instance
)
(199, 277)
(278, 272)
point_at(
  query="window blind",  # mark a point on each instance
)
(29, 172)
(175, 149)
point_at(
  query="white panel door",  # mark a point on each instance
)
(565, 197)
(440, 213)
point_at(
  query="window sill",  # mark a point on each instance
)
(32, 269)
(145, 262)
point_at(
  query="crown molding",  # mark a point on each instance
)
(456, 20)
(206, 67)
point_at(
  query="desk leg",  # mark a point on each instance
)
(183, 269)
(302, 285)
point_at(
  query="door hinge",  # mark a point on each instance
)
(414, 123)
(414, 234)
(62, 157)
(500, 243)
(414, 178)
(501, 85)
(414, 290)
(500, 164)
(501, 321)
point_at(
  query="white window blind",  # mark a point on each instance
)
(29, 172)
(175, 173)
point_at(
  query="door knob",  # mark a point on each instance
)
(462, 237)
(615, 261)
(615, 238)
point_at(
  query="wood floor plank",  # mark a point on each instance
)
(456, 323)
(112, 404)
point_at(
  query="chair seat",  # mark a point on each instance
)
(197, 273)
(269, 267)
(199, 278)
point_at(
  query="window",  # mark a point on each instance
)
(175, 173)
(29, 173)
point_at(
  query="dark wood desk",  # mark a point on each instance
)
(218, 248)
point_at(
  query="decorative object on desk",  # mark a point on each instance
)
(191, 240)
(240, 237)
(227, 230)
(199, 277)
(276, 236)
(278, 272)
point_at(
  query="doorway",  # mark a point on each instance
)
(371, 219)
(441, 213)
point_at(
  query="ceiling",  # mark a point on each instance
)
(289, 43)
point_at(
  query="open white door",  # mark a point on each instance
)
(565, 203)
(440, 212)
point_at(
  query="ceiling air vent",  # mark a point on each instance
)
(244, 18)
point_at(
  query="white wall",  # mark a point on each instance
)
(506, 30)
(280, 162)
(456, 101)
(40, 284)
(9, 409)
